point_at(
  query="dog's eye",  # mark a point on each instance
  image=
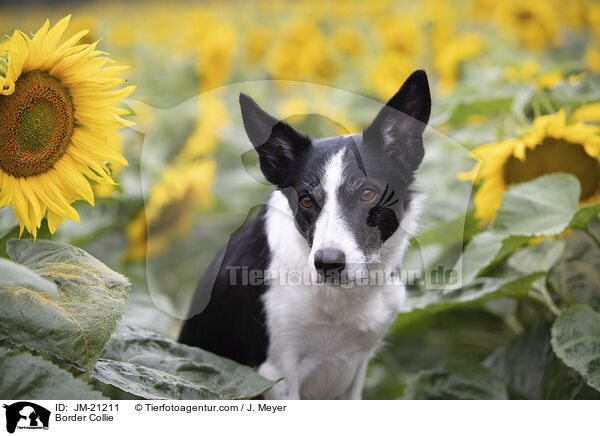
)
(306, 201)
(367, 194)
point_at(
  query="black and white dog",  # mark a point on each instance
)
(343, 208)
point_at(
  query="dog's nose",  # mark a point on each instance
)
(329, 259)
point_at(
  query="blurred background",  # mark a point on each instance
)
(494, 66)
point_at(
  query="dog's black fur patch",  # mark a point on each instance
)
(228, 319)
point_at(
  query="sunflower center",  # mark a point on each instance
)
(554, 156)
(524, 16)
(36, 125)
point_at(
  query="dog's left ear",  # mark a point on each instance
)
(280, 148)
(399, 126)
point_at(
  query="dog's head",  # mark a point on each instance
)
(350, 194)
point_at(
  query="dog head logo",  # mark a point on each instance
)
(26, 415)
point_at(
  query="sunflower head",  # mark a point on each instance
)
(168, 211)
(57, 122)
(535, 23)
(552, 146)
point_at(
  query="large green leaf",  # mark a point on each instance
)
(456, 381)
(479, 290)
(576, 341)
(151, 366)
(25, 376)
(522, 363)
(542, 207)
(77, 323)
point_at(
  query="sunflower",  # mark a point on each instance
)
(298, 53)
(168, 211)
(589, 112)
(217, 50)
(592, 57)
(450, 55)
(204, 137)
(347, 40)
(552, 146)
(257, 41)
(529, 72)
(386, 73)
(399, 34)
(57, 123)
(534, 22)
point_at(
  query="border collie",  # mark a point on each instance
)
(293, 291)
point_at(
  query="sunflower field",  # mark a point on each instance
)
(124, 168)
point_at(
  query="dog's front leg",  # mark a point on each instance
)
(286, 389)
(354, 391)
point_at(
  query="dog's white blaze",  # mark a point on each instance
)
(330, 228)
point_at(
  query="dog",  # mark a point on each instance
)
(342, 208)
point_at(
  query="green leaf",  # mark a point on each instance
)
(75, 325)
(479, 290)
(563, 383)
(522, 363)
(584, 215)
(151, 366)
(25, 376)
(8, 221)
(464, 381)
(448, 232)
(542, 207)
(487, 249)
(576, 341)
(537, 258)
(13, 274)
(576, 276)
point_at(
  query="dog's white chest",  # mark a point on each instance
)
(324, 335)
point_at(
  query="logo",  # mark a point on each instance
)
(26, 415)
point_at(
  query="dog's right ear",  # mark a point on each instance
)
(398, 128)
(279, 146)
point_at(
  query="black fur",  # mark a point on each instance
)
(281, 150)
(225, 318)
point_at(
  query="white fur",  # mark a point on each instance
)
(322, 336)
(330, 228)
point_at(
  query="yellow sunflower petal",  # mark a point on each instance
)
(53, 221)
(17, 53)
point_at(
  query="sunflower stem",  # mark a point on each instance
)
(521, 119)
(536, 109)
(542, 98)
(513, 323)
(559, 292)
(593, 236)
(548, 300)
